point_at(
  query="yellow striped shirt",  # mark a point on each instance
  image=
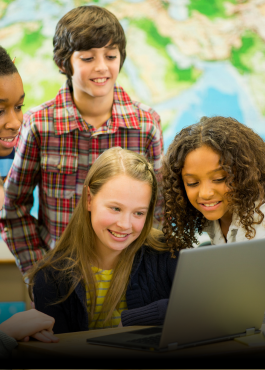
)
(103, 278)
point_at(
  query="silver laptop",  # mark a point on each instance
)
(218, 293)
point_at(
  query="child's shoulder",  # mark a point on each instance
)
(48, 108)
(143, 111)
(158, 254)
(39, 109)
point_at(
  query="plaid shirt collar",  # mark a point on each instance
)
(68, 118)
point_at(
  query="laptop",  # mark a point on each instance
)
(218, 293)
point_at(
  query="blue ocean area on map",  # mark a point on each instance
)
(213, 103)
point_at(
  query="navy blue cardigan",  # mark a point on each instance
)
(146, 296)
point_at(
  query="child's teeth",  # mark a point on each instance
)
(117, 235)
(9, 140)
(210, 204)
(99, 80)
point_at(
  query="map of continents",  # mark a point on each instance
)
(185, 58)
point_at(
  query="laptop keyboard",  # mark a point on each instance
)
(155, 339)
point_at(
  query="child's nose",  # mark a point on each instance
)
(124, 222)
(205, 192)
(13, 123)
(101, 65)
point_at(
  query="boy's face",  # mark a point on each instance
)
(11, 116)
(95, 71)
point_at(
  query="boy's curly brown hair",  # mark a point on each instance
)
(242, 156)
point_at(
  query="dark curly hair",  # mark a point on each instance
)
(242, 156)
(84, 28)
(7, 67)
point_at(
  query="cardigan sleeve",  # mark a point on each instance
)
(7, 344)
(157, 272)
(152, 314)
(45, 293)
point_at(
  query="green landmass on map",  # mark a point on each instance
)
(174, 75)
(8, 2)
(211, 8)
(242, 57)
(31, 41)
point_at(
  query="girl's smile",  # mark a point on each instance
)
(118, 236)
(210, 206)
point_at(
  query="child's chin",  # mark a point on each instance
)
(5, 151)
(212, 217)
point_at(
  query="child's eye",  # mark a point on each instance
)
(220, 180)
(19, 107)
(139, 213)
(116, 209)
(86, 59)
(111, 57)
(1, 111)
(193, 184)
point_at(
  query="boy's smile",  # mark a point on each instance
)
(95, 71)
(11, 116)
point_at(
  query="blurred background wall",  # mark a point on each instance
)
(185, 58)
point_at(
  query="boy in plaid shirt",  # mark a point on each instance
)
(61, 138)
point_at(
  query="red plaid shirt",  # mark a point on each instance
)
(55, 151)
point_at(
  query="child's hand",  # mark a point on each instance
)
(30, 323)
(120, 325)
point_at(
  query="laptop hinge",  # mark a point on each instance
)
(172, 345)
(250, 331)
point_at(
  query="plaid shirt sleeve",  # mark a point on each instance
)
(154, 154)
(20, 229)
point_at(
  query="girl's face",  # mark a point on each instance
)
(204, 182)
(2, 197)
(118, 212)
(11, 116)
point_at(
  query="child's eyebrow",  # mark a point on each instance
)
(216, 170)
(114, 202)
(111, 47)
(6, 100)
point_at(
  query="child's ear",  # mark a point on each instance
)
(62, 70)
(88, 199)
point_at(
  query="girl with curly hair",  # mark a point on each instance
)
(214, 181)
